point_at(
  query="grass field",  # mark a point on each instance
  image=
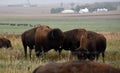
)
(105, 23)
(13, 61)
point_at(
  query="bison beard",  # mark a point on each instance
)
(76, 67)
(47, 39)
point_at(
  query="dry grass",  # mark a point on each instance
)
(13, 61)
(111, 35)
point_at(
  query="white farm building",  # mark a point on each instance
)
(102, 10)
(85, 10)
(68, 11)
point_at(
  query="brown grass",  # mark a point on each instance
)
(13, 61)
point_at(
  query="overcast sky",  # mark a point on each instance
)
(4, 2)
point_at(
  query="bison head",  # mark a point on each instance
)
(91, 55)
(56, 38)
(52, 39)
(81, 54)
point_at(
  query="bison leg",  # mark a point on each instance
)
(38, 50)
(103, 55)
(97, 57)
(30, 51)
(60, 50)
(25, 50)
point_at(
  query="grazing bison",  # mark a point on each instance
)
(5, 43)
(76, 67)
(73, 39)
(47, 39)
(96, 44)
(28, 39)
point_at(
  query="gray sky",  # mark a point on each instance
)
(4, 2)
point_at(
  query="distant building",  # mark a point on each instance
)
(68, 11)
(85, 10)
(102, 10)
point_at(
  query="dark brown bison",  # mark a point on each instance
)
(28, 39)
(96, 44)
(73, 39)
(76, 67)
(6, 43)
(47, 39)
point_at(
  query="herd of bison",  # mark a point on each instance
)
(85, 45)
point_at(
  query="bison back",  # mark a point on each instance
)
(77, 67)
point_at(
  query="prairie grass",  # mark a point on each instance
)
(13, 61)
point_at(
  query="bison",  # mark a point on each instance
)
(96, 44)
(28, 40)
(73, 39)
(47, 39)
(6, 43)
(76, 67)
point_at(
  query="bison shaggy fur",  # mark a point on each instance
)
(96, 44)
(28, 39)
(73, 39)
(76, 67)
(47, 39)
(4, 42)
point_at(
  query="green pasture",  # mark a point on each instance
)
(65, 23)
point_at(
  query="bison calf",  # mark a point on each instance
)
(5, 43)
(76, 67)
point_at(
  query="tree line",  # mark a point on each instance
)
(92, 7)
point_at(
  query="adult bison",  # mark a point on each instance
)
(73, 39)
(76, 67)
(4, 42)
(28, 40)
(96, 44)
(47, 39)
